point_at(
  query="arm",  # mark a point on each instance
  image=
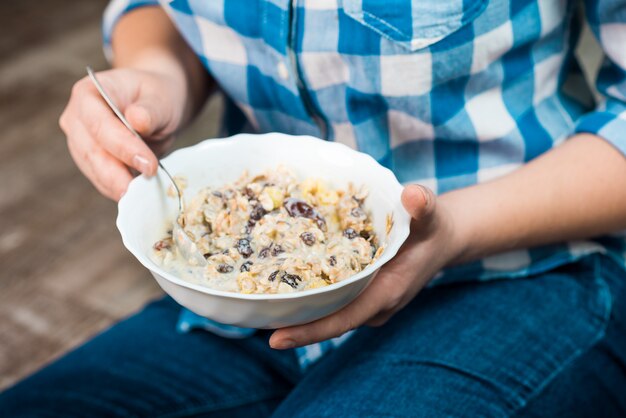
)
(157, 82)
(575, 191)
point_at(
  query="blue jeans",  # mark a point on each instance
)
(553, 345)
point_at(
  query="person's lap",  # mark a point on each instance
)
(143, 367)
(550, 345)
(507, 348)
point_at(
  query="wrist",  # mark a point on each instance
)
(457, 238)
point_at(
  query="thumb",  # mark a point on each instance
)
(419, 202)
(148, 119)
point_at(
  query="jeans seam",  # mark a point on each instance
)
(605, 292)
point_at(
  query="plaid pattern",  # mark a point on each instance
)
(447, 94)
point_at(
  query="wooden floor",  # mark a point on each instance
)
(64, 274)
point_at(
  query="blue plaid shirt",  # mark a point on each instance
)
(445, 93)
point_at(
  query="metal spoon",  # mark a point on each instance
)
(186, 246)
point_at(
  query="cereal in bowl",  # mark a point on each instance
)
(271, 233)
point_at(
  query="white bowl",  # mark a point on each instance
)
(145, 210)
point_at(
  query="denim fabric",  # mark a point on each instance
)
(550, 345)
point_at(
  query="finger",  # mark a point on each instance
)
(395, 282)
(114, 137)
(419, 202)
(380, 319)
(376, 297)
(80, 155)
(112, 173)
(149, 117)
(108, 175)
(161, 147)
(323, 329)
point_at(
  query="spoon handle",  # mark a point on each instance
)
(123, 119)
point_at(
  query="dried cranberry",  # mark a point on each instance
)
(257, 212)
(332, 260)
(272, 276)
(224, 268)
(244, 248)
(291, 279)
(299, 208)
(277, 249)
(308, 238)
(163, 244)
(349, 233)
(245, 266)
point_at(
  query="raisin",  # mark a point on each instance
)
(248, 228)
(308, 238)
(207, 255)
(291, 279)
(332, 261)
(299, 208)
(277, 249)
(245, 266)
(265, 252)
(249, 193)
(349, 233)
(357, 212)
(224, 268)
(257, 213)
(244, 248)
(365, 235)
(272, 276)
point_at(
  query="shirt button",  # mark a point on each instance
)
(283, 72)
